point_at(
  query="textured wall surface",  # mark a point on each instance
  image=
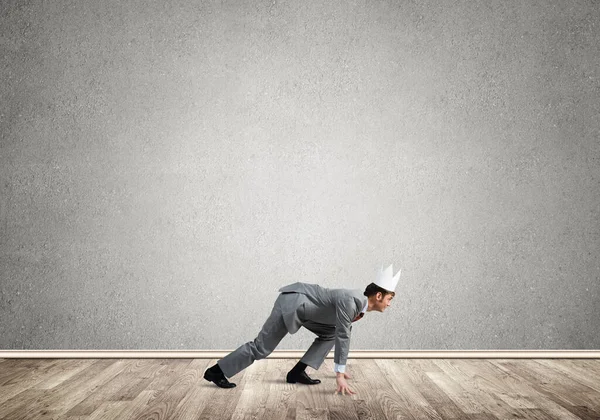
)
(165, 167)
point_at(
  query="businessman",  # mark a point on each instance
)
(328, 313)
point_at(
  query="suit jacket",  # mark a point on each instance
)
(336, 307)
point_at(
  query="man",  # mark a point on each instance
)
(329, 313)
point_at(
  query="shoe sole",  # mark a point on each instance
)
(214, 382)
(298, 382)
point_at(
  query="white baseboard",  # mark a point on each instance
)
(296, 354)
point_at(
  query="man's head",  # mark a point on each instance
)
(379, 298)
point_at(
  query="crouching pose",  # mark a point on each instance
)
(328, 313)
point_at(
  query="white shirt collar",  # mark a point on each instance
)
(366, 307)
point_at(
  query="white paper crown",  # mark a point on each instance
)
(386, 280)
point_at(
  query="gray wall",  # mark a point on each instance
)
(167, 166)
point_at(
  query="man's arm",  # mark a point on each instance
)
(343, 329)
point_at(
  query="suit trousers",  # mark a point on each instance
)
(271, 333)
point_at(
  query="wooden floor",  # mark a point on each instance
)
(156, 389)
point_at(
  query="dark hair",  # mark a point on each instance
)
(372, 289)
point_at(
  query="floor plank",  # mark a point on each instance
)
(516, 370)
(412, 389)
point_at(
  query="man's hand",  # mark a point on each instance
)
(342, 385)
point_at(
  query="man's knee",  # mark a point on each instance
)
(259, 350)
(326, 337)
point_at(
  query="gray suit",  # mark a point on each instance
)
(326, 312)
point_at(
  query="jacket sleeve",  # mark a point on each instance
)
(343, 329)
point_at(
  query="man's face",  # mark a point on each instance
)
(381, 302)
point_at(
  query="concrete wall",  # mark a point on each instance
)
(165, 167)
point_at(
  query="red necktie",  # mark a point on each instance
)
(359, 316)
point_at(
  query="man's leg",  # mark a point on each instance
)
(321, 346)
(271, 333)
(316, 353)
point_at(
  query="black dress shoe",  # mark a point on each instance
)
(219, 380)
(302, 377)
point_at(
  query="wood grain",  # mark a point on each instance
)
(412, 389)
